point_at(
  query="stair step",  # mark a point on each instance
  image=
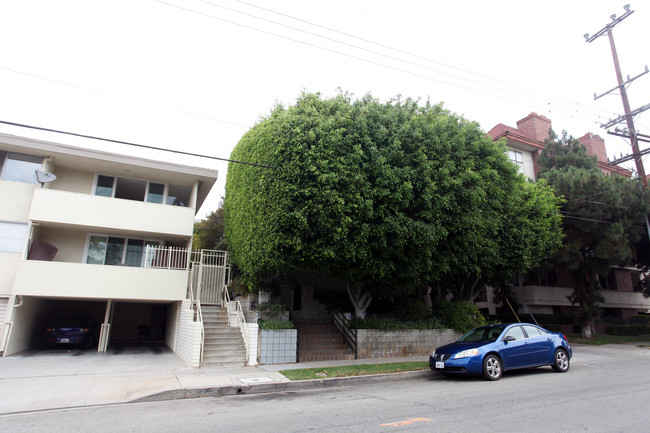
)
(322, 342)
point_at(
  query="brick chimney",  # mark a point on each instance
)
(534, 126)
(595, 145)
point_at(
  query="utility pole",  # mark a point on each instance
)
(628, 116)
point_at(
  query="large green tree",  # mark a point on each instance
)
(209, 232)
(384, 196)
(604, 216)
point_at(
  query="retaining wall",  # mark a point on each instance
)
(372, 343)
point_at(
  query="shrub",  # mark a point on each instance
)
(270, 324)
(460, 316)
(627, 329)
(391, 324)
(411, 309)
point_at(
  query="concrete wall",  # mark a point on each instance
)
(26, 325)
(373, 343)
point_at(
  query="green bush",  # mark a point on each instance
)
(460, 316)
(269, 324)
(640, 320)
(392, 324)
(411, 309)
(627, 329)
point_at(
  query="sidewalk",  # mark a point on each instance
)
(58, 379)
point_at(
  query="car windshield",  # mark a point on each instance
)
(483, 334)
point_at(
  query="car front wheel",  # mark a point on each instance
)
(492, 369)
(561, 361)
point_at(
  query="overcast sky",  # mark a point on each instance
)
(194, 75)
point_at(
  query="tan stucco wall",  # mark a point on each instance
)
(68, 179)
(26, 325)
(15, 200)
(8, 265)
(71, 243)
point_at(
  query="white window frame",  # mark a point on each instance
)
(124, 248)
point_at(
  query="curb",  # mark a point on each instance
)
(301, 385)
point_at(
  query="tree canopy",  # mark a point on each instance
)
(208, 233)
(384, 196)
(604, 216)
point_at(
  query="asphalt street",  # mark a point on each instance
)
(606, 390)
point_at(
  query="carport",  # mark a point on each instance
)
(113, 321)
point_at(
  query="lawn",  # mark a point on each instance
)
(353, 370)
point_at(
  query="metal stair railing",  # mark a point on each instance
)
(342, 324)
(236, 308)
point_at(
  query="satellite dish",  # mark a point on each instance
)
(44, 176)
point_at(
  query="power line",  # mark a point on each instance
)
(134, 144)
(428, 59)
(395, 68)
(122, 97)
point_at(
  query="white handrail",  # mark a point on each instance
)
(241, 320)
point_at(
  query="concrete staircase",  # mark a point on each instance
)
(321, 343)
(223, 345)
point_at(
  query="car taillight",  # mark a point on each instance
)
(87, 329)
(564, 336)
(50, 329)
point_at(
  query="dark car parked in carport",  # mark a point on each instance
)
(70, 331)
(491, 350)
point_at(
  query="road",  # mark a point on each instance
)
(606, 390)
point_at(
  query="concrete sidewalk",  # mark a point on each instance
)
(57, 379)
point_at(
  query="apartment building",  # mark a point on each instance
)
(548, 292)
(100, 235)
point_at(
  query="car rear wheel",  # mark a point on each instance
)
(492, 369)
(561, 361)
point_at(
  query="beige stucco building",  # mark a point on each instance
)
(107, 237)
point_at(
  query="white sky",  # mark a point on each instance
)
(194, 75)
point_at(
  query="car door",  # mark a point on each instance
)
(515, 350)
(540, 345)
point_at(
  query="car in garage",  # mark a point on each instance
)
(75, 331)
(491, 350)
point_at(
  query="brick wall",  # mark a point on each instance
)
(373, 343)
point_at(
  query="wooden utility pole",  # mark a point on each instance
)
(629, 114)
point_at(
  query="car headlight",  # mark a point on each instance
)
(466, 353)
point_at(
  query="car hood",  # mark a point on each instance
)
(460, 345)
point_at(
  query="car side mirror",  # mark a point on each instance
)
(509, 338)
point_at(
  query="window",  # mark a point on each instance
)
(156, 192)
(19, 168)
(533, 331)
(141, 190)
(179, 195)
(515, 332)
(109, 250)
(517, 158)
(12, 237)
(130, 189)
(104, 186)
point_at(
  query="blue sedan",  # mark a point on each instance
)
(491, 350)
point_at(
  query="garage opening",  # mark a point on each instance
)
(133, 325)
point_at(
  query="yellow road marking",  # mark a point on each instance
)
(407, 422)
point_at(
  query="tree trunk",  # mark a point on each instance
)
(360, 300)
(587, 327)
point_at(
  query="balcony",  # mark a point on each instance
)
(558, 296)
(110, 214)
(84, 281)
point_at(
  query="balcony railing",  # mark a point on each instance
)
(166, 257)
